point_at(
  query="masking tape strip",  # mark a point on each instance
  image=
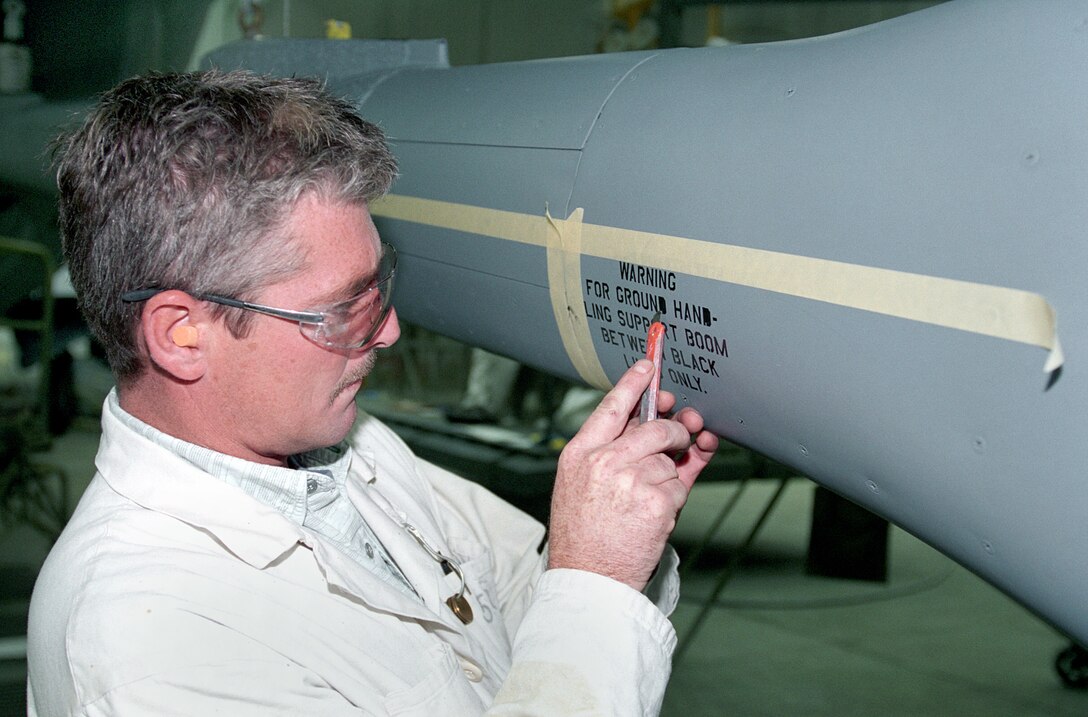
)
(1000, 312)
(563, 242)
(561, 238)
(497, 223)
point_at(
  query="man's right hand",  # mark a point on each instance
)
(620, 487)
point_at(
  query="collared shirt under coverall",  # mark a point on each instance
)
(172, 592)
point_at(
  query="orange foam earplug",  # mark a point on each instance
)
(184, 336)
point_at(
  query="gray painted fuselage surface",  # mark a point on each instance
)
(753, 193)
(946, 147)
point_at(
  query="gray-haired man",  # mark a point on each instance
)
(251, 545)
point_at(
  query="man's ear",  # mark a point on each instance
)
(174, 327)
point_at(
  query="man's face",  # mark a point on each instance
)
(280, 392)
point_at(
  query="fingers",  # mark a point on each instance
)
(618, 488)
(665, 436)
(699, 448)
(696, 457)
(611, 416)
(666, 401)
(690, 419)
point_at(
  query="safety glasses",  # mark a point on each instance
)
(349, 324)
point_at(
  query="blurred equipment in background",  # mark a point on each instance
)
(251, 19)
(630, 27)
(14, 55)
(32, 492)
(1072, 667)
(337, 30)
(488, 390)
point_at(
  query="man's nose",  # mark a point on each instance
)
(389, 332)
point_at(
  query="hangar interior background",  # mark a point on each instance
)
(910, 634)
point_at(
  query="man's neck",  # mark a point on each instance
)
(178, 410)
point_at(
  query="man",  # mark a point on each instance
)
(251, 546)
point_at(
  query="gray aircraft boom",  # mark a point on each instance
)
(865, 248)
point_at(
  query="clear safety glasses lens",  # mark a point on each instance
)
(354, 323)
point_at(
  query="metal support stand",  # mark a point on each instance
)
(43, 325)
(713, 529)
(726, 573)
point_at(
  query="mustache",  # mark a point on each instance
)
(357, 375)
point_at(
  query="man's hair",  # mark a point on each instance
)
(185, 181)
